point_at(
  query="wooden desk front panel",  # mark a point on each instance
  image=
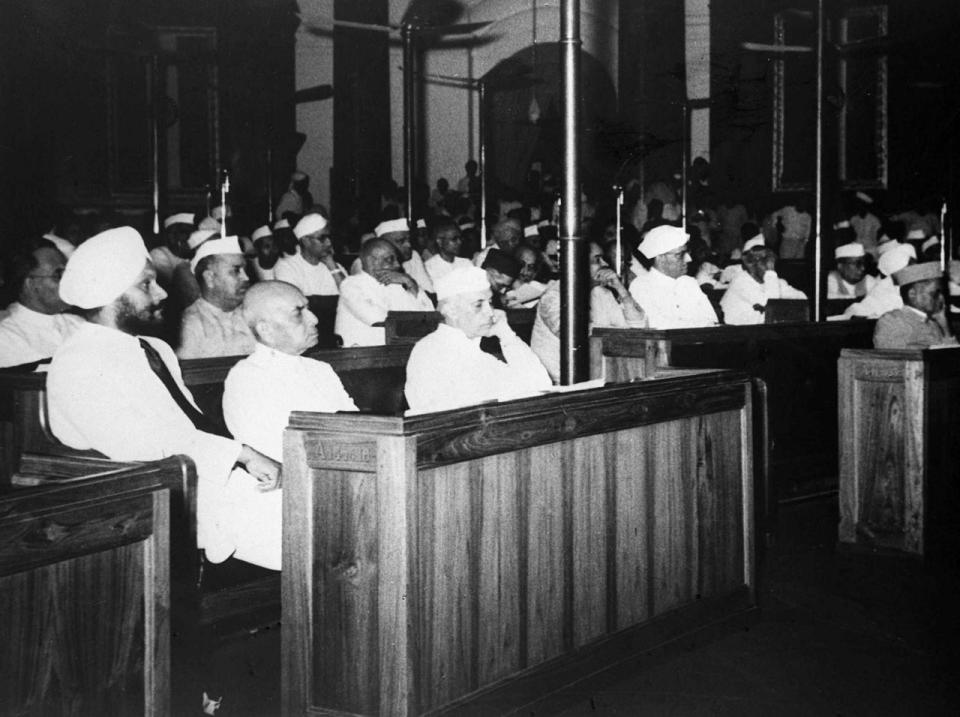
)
(85, 596)
(509, 560)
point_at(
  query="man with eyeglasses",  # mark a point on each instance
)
(668, 296)
(312, 269)
(36, 324)
(850, 279)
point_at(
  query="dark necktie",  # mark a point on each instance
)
(199, 421)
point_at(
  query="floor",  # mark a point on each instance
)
(838, 633)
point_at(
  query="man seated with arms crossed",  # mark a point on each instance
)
(213, 325)
(447, 369)
(35, 324)
(365, 298)
(669, 298)
(921, 322)
(114, 391)
(262, 389)
(745, 300)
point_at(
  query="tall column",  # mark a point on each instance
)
(697, 61)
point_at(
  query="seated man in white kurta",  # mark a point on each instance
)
(745, 300)
(262, 389)
(122, 394)
(213, 324)
(885, 295)
(448, 239)
(312, 269)
(610, 306)
(850, 279)
(669, 298)
(381, 287)
(35, 324)
(448, 369)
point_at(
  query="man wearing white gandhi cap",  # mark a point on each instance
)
(745, 300)
(850, 279)
(885, 295)
(111, 390)
(312, 269)
(448, 369)
(213, 325)
(670, 298)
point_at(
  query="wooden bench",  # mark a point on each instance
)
(899, 417)
(373, 376)
(797, 365)
(408, 327)
(85, 592)
(458, 562)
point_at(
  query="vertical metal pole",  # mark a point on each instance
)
(574, 354)
(269, 186)
(944, 254)
(409, 129)
(482, 128)
(684, 161)
(818, 181)
(158, 94)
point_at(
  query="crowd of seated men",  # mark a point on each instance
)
(112, 315)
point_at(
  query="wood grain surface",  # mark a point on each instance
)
(548, 526)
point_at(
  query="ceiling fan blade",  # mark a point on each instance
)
(466, 28)
(313, 94)
(318, 23)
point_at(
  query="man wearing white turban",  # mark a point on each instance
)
(448, 369)
(114, 391)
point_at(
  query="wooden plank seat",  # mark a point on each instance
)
(460, 562)
(85, 591)
(899, 413)
(797, 364)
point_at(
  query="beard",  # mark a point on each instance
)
(135, 320)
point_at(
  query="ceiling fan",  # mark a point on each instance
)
(423, 20)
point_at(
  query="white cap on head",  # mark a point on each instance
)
(531, 231)
(310, 224)
(462, 280)
(262, 232)
(200, 236)
(842, 224)
(896, 258)
(390, 226)
(854, 250)
(64, 245)
(755, 242)
(281, 224)
(103, 267)
(227, 245)
(662, 239)
(864, 197)
(930, 243)
(297, 177)
(181, 218)
(208, 223)
(916, 234)
(421, 224)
